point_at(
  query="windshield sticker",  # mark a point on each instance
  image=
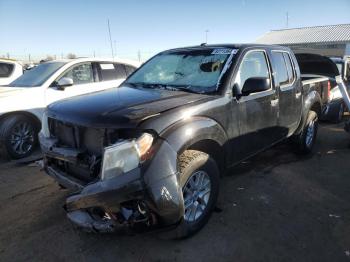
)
(224, 51)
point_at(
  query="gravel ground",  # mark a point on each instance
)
(275, 207)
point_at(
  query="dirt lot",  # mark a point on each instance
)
(276, 207)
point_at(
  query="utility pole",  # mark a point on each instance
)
(110, 38)
(29, 58)
(94, 54)
(287, 20)
(115, 48)
(206, 36)
(139, 55)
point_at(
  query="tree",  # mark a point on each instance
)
(49, 58)
(71, 56)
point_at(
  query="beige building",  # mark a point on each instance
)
(329, 40)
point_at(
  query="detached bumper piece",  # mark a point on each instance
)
(84, 220)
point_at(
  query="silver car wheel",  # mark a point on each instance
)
(196, 193)
(22, 138)
(310, 133)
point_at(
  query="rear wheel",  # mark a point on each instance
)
(340, 114)
(199, 179)
(306, 139)
(19, 136)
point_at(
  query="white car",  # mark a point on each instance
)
(9, 71)
(22, 102)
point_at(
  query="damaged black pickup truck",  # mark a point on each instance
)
(149, 154)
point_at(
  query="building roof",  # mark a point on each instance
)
(316, 34)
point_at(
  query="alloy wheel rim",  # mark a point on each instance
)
(310, 133)
(196, 193)
(22, 138)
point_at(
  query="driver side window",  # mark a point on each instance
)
(80, 74)
(254, 64)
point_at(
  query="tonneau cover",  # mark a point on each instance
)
(317, 65)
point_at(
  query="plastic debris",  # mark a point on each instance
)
(333, 215)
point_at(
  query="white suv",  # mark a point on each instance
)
(9, 71)
(22, 102)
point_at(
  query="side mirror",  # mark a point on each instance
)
(64, 82)
(255, 84)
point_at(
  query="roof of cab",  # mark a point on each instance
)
(95, 59)
(233, 46)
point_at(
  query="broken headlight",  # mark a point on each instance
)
(125, 156)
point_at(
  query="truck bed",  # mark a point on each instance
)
(318, 83)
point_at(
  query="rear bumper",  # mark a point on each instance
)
(156, 187)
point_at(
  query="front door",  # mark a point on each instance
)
(258, 112)
(84, 81)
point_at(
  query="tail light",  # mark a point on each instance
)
(329, 90)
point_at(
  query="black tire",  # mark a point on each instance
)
(305, 141)
(8, 127)
(340, 113)
(192, 162)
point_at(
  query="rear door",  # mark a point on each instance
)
(289, 91)
(111, 74)
(258, 112)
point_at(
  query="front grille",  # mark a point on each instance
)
(88, 141)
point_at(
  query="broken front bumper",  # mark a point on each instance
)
(155, 186)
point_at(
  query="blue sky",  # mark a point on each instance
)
(55, 27)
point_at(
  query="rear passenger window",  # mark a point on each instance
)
(254, 64)
(111, 71)
(6, 69)
(121, 73)
(129, 69)
(281, 68)
(290, 70)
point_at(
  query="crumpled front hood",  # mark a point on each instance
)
(119, 107)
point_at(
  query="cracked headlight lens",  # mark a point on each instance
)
(125, 156)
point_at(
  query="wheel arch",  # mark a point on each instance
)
(27, 114)
(199, 133)
(311, 102)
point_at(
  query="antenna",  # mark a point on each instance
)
(110, 38)
(287, 20)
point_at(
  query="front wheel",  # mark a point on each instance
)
(199, 179)
(19, 136)
(306, 139)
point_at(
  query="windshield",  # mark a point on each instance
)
(38, 75)
(193, 70)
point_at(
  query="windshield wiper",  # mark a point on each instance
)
(163, 86)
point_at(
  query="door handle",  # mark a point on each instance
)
(297, 95)
(274, 102)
